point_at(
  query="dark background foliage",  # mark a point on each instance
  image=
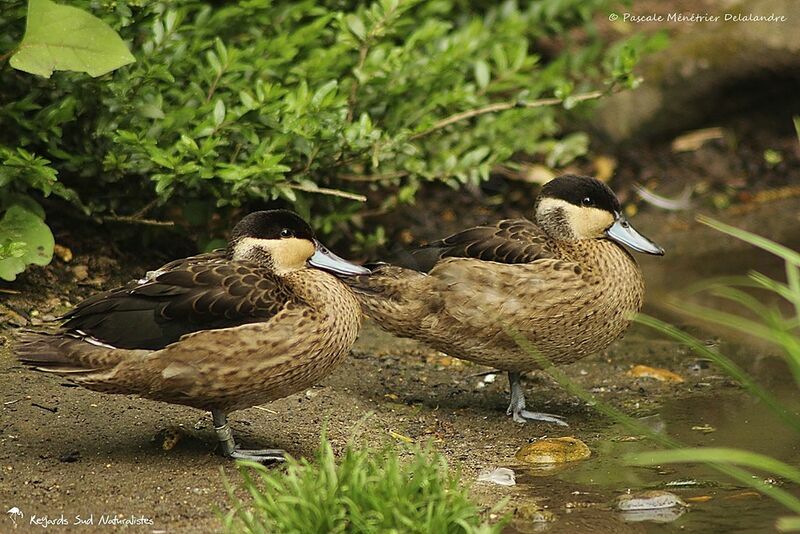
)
(316, 106)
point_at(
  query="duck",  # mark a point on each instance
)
(260, 320)
(519, 293)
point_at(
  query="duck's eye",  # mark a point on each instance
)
(587, 201)
(286, 233)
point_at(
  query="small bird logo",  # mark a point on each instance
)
(15, 513)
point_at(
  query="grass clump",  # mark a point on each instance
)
(368, 490)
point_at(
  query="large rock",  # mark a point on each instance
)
(710, 71)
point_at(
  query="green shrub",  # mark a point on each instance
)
(367, 491)
(312, 104)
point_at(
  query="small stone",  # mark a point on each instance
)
(649, 500)
(554, 451)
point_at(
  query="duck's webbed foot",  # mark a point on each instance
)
(517, 410)
(232, 450)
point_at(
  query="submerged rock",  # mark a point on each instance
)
(553, 451)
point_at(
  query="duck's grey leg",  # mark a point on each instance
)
(232, 450)
(517, 410)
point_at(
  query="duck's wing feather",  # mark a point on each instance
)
(199, 293)
(508, 241)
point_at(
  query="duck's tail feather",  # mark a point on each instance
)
(395, 297)
(62, 353)
(385, 281)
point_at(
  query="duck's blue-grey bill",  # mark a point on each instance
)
(328, 261)
(622, 232)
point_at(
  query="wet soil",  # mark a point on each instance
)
(65, 451)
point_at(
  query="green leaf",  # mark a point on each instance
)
(356, 26)
(28, 238)
(482, 73)
(61, 37)
(219, 112)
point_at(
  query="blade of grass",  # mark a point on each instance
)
(788, 524)
(793, 282)
(772, 335)
(717, 455)
(726, 364)
(771, 316)
(730, 320)
(769, 284)
(763, 243)
(719, 281)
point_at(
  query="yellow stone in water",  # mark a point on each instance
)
(554, 451)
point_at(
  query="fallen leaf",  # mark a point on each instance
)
(81, 272)
(694, 140)
(742, 495)
(401, 437)
(662, 375)
(536, 174)
(63, 253)
(604, 167)
(699, 498)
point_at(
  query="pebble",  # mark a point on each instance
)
(502, 476)
(554, 451)
(649, 500)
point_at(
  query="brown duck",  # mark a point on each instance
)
(221, 331)
(563, 281)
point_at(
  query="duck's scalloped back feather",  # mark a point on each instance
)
(508, 241)
(198, 293)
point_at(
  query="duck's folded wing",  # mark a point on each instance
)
(178, 299)
(508, 241)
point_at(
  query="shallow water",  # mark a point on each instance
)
(716, 503)
(582, 496)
